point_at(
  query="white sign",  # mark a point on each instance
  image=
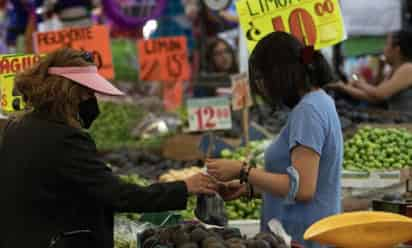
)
(366, 17)
(209, 114)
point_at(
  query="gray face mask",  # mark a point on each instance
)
(88, 112)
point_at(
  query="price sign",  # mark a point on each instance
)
(209, 114)
(172, 95)
(93, 39)
(164, 59)
(314, 22)
(9, 66)
(241, 97)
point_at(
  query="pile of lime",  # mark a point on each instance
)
(255, 149)
(378, 149)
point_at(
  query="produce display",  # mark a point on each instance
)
(378, 149)
(353, 114)
(112, 129)
(146, 164)
(236, 210)
(349, 111)
(197, 236)
(256, 151)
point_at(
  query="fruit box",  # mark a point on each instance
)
(375, 179)
(389, 206)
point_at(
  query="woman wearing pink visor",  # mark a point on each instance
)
(52, 181)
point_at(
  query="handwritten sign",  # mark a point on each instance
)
(209, 114)
(163, 59)
(9, 66)
(314, 22)
(172, 95)
(93, 39)
(241, 97)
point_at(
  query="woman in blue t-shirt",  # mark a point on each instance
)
(301, 181)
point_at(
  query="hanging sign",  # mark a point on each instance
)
(163, 59)
(10, 65)
(94, 39)
(314, 22)
(209, 114)
(241, 97)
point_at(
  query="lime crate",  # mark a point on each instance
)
(375, 179)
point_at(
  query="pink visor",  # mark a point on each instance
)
(89, 77)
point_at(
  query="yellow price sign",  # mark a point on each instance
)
(10, 65)
(318, 23)
(10, 102)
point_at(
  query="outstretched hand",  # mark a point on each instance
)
(201, 184)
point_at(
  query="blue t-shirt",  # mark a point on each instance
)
(313, 123)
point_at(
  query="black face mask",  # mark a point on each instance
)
(88, 112)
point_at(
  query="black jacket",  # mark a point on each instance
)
(52, 181)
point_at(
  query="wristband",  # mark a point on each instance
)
(293, 185)
(243, 173)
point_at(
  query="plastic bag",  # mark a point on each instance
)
(210, 209)
(277, 229)
(125, 232)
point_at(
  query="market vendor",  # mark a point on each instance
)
(220, 59)
(51, 179)
(396, 89)
(301, 179)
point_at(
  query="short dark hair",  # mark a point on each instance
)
(403, 39)
(278, 74)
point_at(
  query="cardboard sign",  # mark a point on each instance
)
(209, 114)
(241, 97)
(93, 39)
(164, 59)
(172, 95)
(314, 22)
(9, 66)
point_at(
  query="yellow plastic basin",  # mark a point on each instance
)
(366, 229)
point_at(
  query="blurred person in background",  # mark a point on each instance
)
(51, 173)
(220, 59)
(3, 26)
(73, 13)
(18, 19)
(396, 88)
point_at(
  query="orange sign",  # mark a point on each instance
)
(172, 95)
(93, 39)
(241, 97)
(164, 59)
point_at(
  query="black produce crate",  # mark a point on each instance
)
(392, 207)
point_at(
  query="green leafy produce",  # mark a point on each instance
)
(112, 129)
(124, 53)
(378, 149)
